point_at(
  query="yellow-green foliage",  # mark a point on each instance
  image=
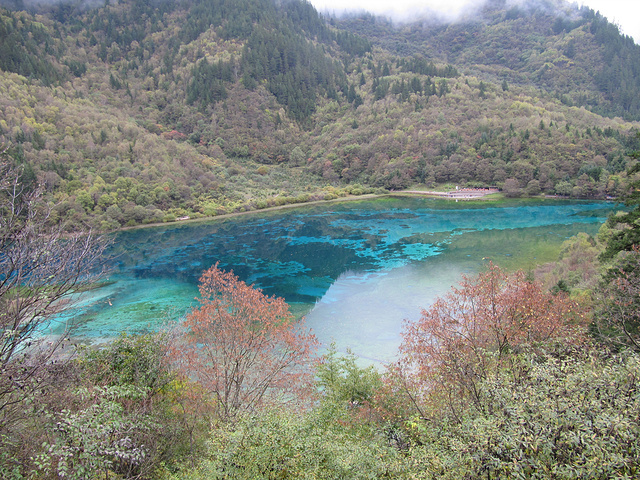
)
(109, 100)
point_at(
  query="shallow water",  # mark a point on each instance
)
(356, 270)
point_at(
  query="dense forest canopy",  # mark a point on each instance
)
(139, 111)
(127, 112)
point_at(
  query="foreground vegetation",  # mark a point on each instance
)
(509, 375)
(139, 112)
(516, 387)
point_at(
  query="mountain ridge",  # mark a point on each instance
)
(138, 112)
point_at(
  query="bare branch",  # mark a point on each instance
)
(40, 267)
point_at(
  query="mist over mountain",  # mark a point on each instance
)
(621, 13)
(539, 40)
(138, 111)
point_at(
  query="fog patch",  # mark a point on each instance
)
(441, 11)
(405, 11)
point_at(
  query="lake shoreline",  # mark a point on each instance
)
(348, 198)
(465, 194)
(367, 196)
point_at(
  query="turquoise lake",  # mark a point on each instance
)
(354, 270)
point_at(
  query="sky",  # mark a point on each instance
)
(624, 13)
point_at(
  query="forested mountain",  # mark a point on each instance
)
(141, 111)
(572, 53)
(123, 112)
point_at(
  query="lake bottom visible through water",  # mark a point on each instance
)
(354, 271)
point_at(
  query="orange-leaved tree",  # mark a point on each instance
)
(477, 327)
(244, 347)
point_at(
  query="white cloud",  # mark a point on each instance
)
(399, 9)
(624, 13)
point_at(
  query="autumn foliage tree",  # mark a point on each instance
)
(463, 337)
(244, 347)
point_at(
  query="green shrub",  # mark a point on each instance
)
(126, 415)
(285, 445)
(574, 415)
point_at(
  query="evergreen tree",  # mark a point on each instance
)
(629, 222)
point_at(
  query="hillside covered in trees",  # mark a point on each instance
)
(135, 111)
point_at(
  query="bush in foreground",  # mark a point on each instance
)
(570, 415)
